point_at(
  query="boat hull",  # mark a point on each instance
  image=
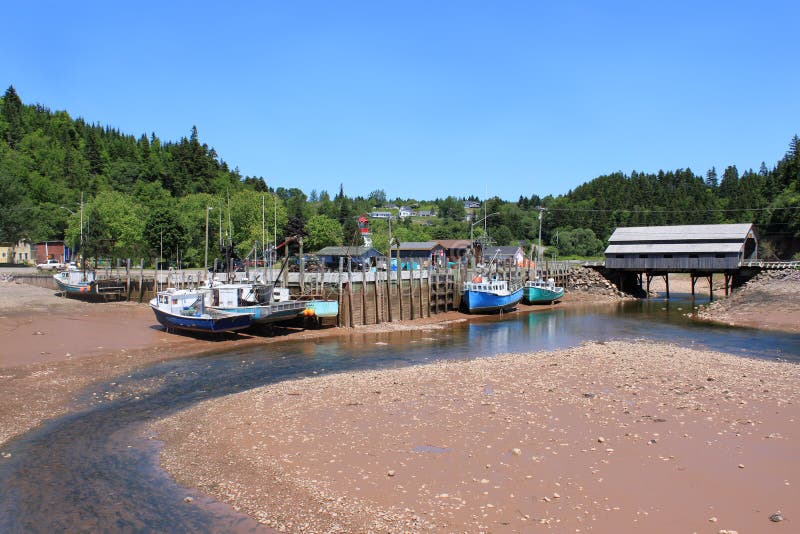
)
(484, 302)
(541, 295)
(75, 289)
(323, 308)
(204, 323)
(270, 313)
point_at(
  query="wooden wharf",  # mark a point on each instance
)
(366, 295)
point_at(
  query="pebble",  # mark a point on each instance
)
(516, 451)
(390, 473)
(741, 466)
(601, 440)
(712, 519)
(187, 499)
(777, 517)
(6, 455)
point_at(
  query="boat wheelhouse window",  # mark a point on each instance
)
(642, 255)
(667, 255)
(693, 256)
(620, 256)
(719, 255)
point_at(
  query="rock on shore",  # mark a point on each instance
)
(587, 280)
(770, 300)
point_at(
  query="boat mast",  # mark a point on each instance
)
(539, 247)
(263, 238)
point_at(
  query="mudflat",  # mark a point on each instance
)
(614, 437)
(611, 437)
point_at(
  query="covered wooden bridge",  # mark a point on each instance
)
(639, 254)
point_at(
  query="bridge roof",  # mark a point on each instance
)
(711, 233)
(675, 248)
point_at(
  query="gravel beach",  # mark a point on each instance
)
(612, 437)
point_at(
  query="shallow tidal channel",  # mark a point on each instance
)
(94, 470)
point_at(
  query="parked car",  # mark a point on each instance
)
(50, 265)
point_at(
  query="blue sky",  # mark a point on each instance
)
(425, 99)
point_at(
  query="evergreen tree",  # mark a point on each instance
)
(12, 114)
(711, 178)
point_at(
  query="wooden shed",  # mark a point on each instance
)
(511, 253)
(424, 250)
(686, 248)
(455, 249)
(358, 255)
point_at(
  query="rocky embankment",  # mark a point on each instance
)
(769, 300)
(586, 280)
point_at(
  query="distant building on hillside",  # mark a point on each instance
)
(424, 213)
(405, 211)
(381, 215)
(471, 204)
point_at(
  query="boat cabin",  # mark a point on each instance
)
(188, 304)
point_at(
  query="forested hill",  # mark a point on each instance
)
(768, 197)
(142, 194)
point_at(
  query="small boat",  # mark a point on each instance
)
(541, 292)
(264, 303)
(183, 309)
(82, 284)
(72, 281)
(321, 308)
(489, 296)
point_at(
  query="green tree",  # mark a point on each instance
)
(11, 112)
(164, 229)
(113, 226)
(578, 242)
(322, 232)
(451, 208)
(15, 208)
(377, 198)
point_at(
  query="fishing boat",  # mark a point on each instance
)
(264, 303)
(82, 284)
(186, 310)
(72, 281)
(541, 292)
(482, 295)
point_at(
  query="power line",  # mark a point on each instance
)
(673, 211)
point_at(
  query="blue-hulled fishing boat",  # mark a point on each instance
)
(541, 292)
(483, 295)
(182, 309)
